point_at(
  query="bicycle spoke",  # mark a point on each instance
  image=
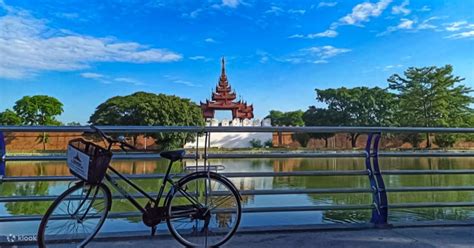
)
(77, 216)
(205, 227)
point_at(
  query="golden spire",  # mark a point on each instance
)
(223, 66)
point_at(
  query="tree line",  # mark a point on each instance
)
(421, 97)
(140, 108)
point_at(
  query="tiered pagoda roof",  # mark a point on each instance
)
(223, 99)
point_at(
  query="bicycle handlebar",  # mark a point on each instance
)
(111, 140)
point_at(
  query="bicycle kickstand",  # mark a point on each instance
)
(153, 230)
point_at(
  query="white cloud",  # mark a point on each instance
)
(193, 14)
(455, 26)
(328, 33)
(320, 61)
(315, 55)
(467, 34)
(326, 52)
(177, 80)
(274, 10)
(401, 9)
(92, 75)
(297, 11)
(404, 24)
(464, 29)
(296, 36)
(230, 3)
(28, 46)
(327, 4)
(199, 58)
(389, 67)
(413, 25)
(108, 79)
(426, 23)
(425, 8)
(128, 80)
(210, 40)
(363, 12)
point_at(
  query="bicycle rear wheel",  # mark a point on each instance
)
(203, 210)
(76, 215)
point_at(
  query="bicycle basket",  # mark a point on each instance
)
(87, 160)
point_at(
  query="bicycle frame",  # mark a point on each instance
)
(155, 201)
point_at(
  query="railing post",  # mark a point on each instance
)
(379, 195)
(382, 218)
(373, 183)
(3, 151)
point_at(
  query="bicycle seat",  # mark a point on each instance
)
(173, 155)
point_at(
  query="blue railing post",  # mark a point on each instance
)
(3, 151)
(382, 220)
(373, 183)
(379, 196)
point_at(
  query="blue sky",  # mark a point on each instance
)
(278, 52)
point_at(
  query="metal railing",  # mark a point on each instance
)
(380, 205)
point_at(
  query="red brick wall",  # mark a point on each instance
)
(341, 141)
(31, 142)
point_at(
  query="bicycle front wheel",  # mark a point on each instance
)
(75, 216)
(203, 210)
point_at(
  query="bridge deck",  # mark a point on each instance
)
(458, 236)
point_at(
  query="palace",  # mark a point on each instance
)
(223, 99)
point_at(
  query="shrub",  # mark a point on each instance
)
(413, 138)
(445, 140)
(268, 143)
(302, 138)
(256, 143)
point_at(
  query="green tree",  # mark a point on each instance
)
(73, 123)
(9, 117)
(359, 106)
(255, 143)
(431, 97)
(445, 140)
(320, 117)
(39, 110)
(302, 138)
(148, 109)
(291, 118)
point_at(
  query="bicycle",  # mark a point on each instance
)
(202, 209)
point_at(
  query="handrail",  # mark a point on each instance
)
(196, 129)
(155, 156)
(377, 189)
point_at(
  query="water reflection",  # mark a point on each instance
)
(277, 165)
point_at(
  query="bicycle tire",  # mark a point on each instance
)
(235, 196)
(86, 207)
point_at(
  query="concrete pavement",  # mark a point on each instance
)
(417, 237)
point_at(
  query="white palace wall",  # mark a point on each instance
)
(234, 139)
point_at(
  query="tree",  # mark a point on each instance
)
(302, 138)
(39, 110)
(255, 143)
(148, 109)
(73, 123)
(9, 117)
(359, 106)
(430, 97)
(291, 118)
(320, 117)
(445, 140)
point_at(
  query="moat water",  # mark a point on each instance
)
(251, 183)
